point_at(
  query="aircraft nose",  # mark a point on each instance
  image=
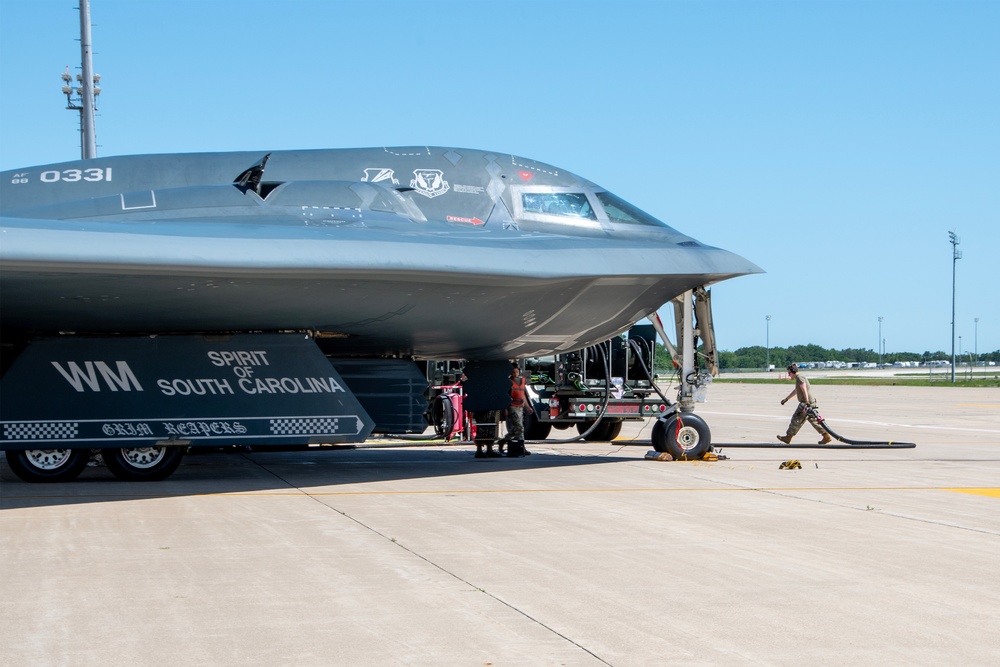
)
(723, 264)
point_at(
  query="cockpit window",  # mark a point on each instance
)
(569, 204)
(619, 210)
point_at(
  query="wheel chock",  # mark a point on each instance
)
(790, 465)
(665, 456)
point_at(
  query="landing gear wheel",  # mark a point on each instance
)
(48, 465)
(691, 440)
(143, 464)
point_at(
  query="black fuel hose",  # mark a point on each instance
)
(826, 427)
(581, 436)
(649, 376)
(606, 357)
(848, 443)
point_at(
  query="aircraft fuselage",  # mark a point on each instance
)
(423, 252)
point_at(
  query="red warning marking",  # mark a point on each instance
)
(471, 221)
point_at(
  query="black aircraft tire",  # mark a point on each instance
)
(143, 464)
(692, 442)
(48, 465)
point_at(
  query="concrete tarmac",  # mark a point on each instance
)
(581, 554)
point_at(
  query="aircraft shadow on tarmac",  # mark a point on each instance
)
(210, 472)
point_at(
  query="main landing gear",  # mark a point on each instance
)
(685, 436)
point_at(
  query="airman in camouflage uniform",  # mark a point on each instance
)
(799, 417)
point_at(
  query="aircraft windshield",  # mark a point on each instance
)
(569, 204)
(619, 210)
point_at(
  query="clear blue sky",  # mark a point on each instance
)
(834, 143)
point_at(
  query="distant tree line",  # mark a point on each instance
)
(757, 356)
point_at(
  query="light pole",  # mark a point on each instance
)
(976, 348)
(880, 341)
(767, 363)
(956, 255)
(89, 87)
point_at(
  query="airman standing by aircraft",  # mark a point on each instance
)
(806, 400)
(519, 404)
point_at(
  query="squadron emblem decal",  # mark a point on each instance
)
(376, 174)
(429, 182)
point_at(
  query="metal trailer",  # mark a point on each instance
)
(595, 390)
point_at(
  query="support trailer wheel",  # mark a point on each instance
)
(535, 429)
(615, 429)
(691, 439)
(608, 429)
(143, 464)
(48, 465)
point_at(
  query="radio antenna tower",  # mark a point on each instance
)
(83, 98)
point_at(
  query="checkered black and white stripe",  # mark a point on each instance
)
(299, 426)
(40, 430)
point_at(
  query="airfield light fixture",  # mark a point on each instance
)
(956, 255)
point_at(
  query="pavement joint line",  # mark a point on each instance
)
(784, 493)
(779, 492)
(441, 568)
(296, 492)
(635, 490)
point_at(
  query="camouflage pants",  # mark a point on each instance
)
(799, 418)
(515, 423)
